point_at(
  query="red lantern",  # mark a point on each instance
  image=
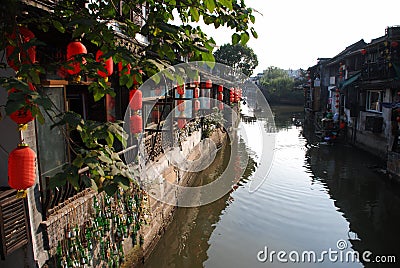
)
(136, 124)
(127, 67)
(220, 88)
(208, 83)
(22, 168)
(180, 89)
(181, 123)
(135, 99)
(220, 96)
(135, 82)
(363, 51)
(398, 119)
(24, 115)
(108, 64)
(394, 43)
(337, 106)
(26, 56)
(181, 105)
(75, 48)
(196, 91)
(196, 105)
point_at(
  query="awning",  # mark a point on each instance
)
(349, 81)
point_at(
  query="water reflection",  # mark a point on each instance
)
(315, 195)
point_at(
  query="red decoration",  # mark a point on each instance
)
(220, 88)
(108, 64)
(208, 83)
(220, 96)
(21, 168)
(398, 119)
(27, 56)
(75, 48)
(196, 105)
(181, 123)
(155, 114)
(337, 106)
(394, 44)
(180, 89)
(363, 51)
(136, 124)
(120, 67)
(24, 115)
(181, 105)
(135, 99)
(196, 91)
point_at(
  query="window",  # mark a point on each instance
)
(374, 101)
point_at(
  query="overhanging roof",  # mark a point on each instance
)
(349, 81)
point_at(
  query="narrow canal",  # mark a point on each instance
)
(317, 198)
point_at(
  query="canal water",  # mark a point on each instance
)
(320, 206)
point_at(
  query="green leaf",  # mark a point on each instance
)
(122, 181)
(244, 38)
(78, 161)
(253, 32)
(74, 180)
(226, 3)
(194, 13)
(105, 158)
(110, 139)
(210, 5)
(235, 38)
(252, 19)
(58, 26)
(111, 188)
(58, 180)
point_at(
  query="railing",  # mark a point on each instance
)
(377, 71)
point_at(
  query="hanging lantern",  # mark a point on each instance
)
(220, 96)
(180, 89)
(24, 115)
(196, 91)
(181, 123)
(135, 82)
(181, 105)
(363, 51)
(196, 105)
(337, 106)
(136, 124)
(220, 88)
(208, 83)
(135, 99)
(394, 44)
(75, 48)
(25, 56)
(107, 64)
(21, 169)
(127, 67)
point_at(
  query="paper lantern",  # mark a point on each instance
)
(181, 105)
(24, 115)
(220, 88)
(196, 91)
(181, 123)
(363, 51)
(180, 89)
(75, 48)
(135, 99)
(127, 67)
(136, 124)
(196, 105)
(220, 96)
(108, 64)
(27, 56)
(22, 168)
(208, 83)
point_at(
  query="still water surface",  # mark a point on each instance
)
(314, 196)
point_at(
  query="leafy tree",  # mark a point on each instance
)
(108, 25)
(240, 57)
(278, 87)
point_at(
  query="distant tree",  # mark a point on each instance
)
(300, 80)
(240, 57)
(278, 86)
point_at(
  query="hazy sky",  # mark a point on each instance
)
(294, 34)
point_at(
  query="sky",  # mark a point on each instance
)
(293, 34)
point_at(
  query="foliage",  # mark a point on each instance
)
(278, 87)
(111, 26)
(240, 57)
